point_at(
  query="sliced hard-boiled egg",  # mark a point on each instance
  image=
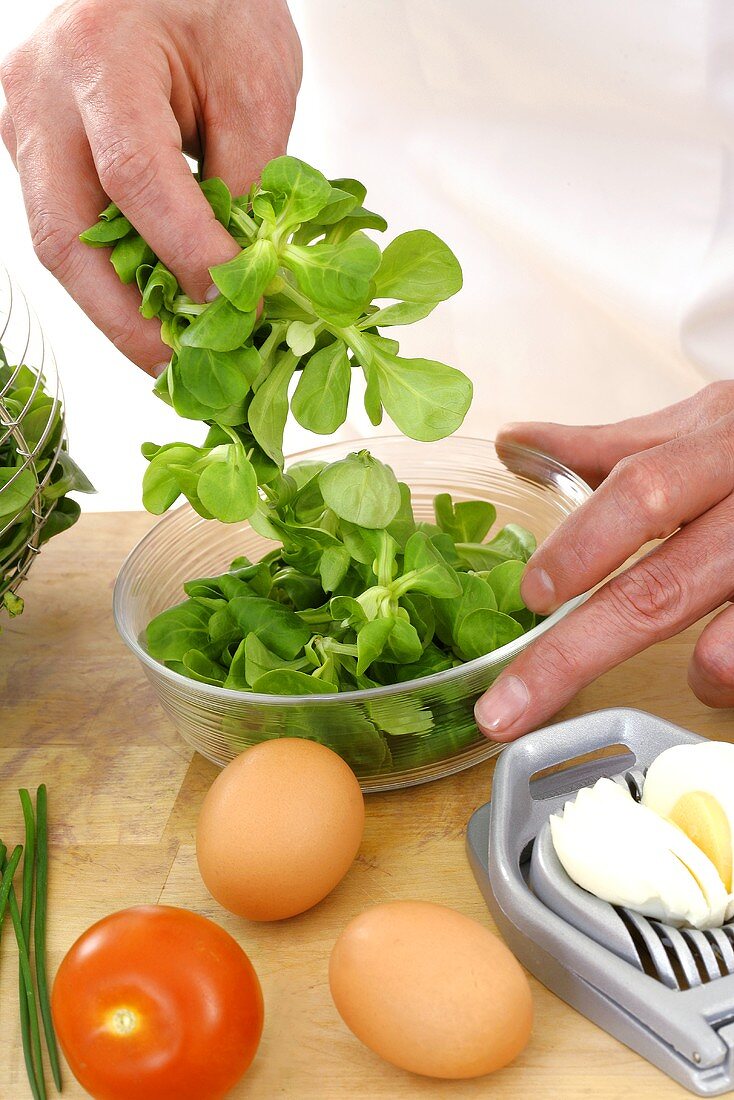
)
(693, 786)
(626, 854)
(702, 818)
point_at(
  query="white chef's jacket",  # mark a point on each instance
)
(576, 155)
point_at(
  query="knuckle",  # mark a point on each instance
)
(70, 37)
(84, 29)
(649, 597)
(272, 88)
(557, 662)
(13, 71)
(122, 332)
(53, 244)
(126, 170)
(187, 255)
(645, 488)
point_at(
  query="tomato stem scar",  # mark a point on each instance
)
(124, 1021)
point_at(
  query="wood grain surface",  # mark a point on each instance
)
(124, 792)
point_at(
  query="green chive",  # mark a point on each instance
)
(7, 894)
(8, 873)
(30, 1034)
(29, 1025)
(3, 853)
(39, 931)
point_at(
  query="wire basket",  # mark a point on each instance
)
(35, 469)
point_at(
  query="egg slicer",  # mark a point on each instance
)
(667, 993)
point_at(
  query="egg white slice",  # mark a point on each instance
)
(626, 854)
(686, 773)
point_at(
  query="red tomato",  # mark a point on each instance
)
(156, 1003)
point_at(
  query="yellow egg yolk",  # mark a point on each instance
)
(702, 819)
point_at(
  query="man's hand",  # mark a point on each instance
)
(102, 100)
(669, 472)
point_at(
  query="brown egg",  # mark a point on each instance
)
(279, 828)
(430, 990)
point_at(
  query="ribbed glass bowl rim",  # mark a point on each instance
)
(364, 695)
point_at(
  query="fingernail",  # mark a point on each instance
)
(158, 370)
(501, 707)
(212, 293)
(539, 591)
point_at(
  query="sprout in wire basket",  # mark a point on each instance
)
(36, 471)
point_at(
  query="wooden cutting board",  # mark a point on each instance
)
(124, 793)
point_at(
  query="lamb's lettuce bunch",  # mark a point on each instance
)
(357, 593)
(326, 290)
(32, 454)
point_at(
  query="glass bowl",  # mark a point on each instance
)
(437, 711)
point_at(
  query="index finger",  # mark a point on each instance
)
(662, 594)
(137, 149)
